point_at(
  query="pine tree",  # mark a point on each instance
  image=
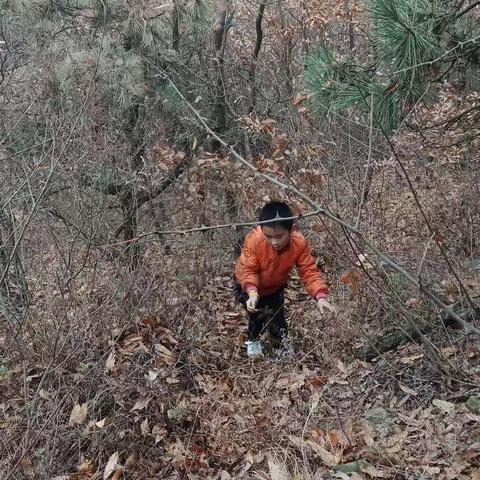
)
(412, 45)
(100, 65)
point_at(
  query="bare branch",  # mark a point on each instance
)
(467, 9)
(205, 228)
(368, 176)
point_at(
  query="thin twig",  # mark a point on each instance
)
(367, 169)
(205, 228)
(419, 273)
(431, 62)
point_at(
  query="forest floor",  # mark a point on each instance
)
(169, 393)
(142, 373)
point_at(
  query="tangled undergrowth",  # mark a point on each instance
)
(141, 373)
(153, 382)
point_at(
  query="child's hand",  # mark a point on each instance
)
(252, 301)
(324, 304)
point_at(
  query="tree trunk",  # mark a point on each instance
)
(132, 200)
(305, 34)
(175, 26)
(220, 31)
(390, 341)
(14, 288)
(130, 224)
(253, 66)
(286, 56)
(462, 78)
(351, 34)
(136, 136)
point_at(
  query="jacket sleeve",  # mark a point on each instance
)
(247, 269)
(310, 274)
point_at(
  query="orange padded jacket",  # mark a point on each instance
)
(262, 267)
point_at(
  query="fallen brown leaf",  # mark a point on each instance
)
(142, 403)
(78, 414)
(111, 465)
(276, 469)
(87, 467)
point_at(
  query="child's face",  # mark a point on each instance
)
(277, 237)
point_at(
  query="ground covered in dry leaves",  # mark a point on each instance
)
(169, 393)
(142, 373)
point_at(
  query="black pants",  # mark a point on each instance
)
(270, 317)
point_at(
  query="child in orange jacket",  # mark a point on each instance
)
(269, 253)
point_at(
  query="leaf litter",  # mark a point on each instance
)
(175, 396)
